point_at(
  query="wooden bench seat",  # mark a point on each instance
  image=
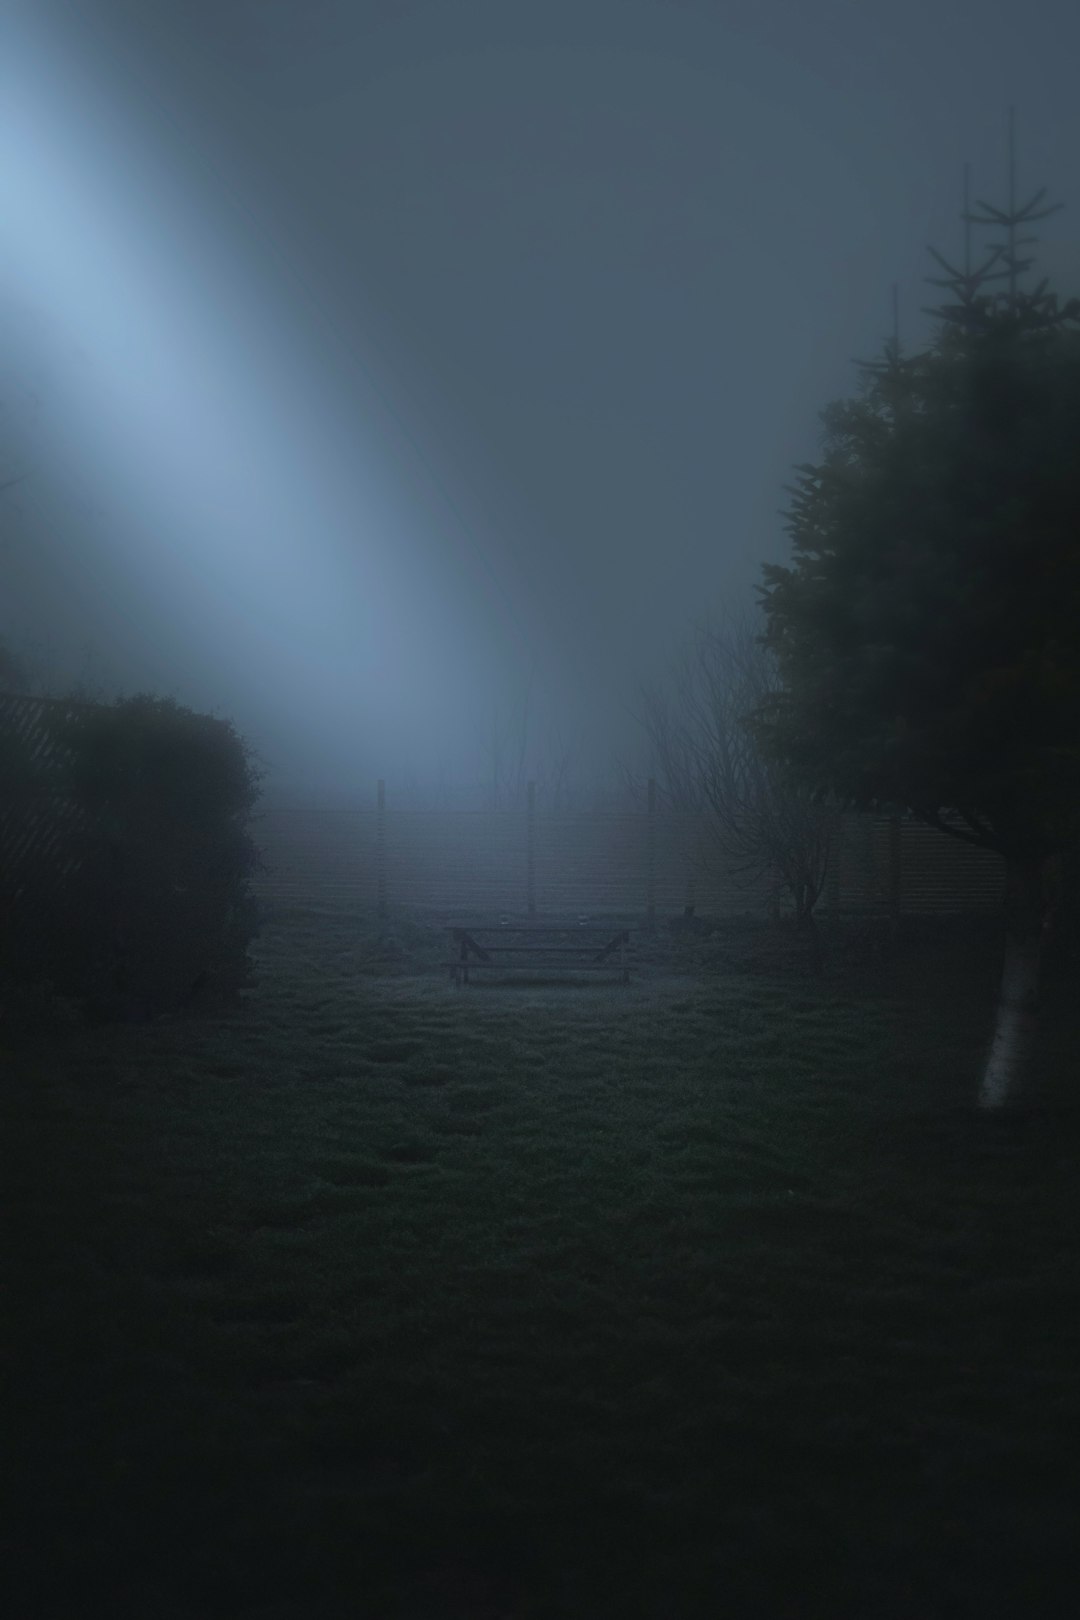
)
(539, 947)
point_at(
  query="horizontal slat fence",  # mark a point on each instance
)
(463, 862)
(941, 874)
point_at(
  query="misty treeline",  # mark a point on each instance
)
(31, 673)
(512, 748)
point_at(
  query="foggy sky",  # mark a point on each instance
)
(363, 358)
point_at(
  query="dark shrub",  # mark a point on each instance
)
(139, 895)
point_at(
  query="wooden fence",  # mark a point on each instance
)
(630, 863)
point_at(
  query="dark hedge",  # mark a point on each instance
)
(130, 888)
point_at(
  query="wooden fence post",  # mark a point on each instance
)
(650, 856)
(380, 846)
(532, 848)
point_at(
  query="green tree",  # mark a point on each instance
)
(926, 631)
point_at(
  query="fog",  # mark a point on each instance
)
(367, 366)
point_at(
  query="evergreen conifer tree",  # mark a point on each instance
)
(926, 630)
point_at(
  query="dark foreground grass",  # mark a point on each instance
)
(709, 1296)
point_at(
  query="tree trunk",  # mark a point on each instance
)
(1027, 920)
(805, 900)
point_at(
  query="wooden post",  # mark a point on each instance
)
(380, 846)
(650, 856)
(532, 849)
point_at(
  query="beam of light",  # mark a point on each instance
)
(235, 498)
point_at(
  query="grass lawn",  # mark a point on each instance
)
(707, 1296)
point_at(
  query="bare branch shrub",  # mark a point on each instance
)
(705, 759)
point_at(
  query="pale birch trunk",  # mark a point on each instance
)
(1009, 1060)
